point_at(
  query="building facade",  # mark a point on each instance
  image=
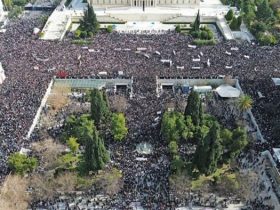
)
(143, 3)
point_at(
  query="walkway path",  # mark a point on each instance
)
(57, 25)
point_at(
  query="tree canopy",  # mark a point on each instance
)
(196, 23)
(229, 15)
(264, 11)
(99, 106)
(194, 108)
(95, 155)
(89, 22)
(119, 129)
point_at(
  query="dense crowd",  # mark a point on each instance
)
(30, 63)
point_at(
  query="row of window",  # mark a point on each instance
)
(141, 2)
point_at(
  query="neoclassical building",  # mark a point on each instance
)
(143, 3)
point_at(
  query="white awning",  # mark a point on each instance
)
(276, 81)
(227, 91)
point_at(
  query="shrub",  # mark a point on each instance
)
(119, 129)
(21, 164)
(239, 21)
(178, 28)
(210, 35)
(15, 12)
(83, 34)
(73, 144)
(195, 34)
(177, 164)
(109, 29)
(90, 34)
(20, 3)
(203, 35)
(173, 147)
(229, 15)
(267, 39)
(234, 24)
(77, 34)
(259, 26)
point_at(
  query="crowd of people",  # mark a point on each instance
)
(30, 64)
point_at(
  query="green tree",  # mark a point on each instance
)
(193, 108)
(173, 147)
(177, 164)
(258, 27)
(189, 130)
(19, 3)
(248, 9)
(109, 29)
(196, 23)
(76, 127)
(201, 152)
(213, 141)
(239, 21)
(99, 108)
(210, 35)
(73, 144)
(229, 15)
(234, 24)
(178, 28)
(95, 155)
(21, 164)
(172, 126)
(264, 11)
(83, 34)
(239, 141)
(89, 22)
(226, 136)
(119, 129)
(266, 38)
(204, 35)
(209, 150)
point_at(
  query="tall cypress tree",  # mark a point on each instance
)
(214, 153)
(89, 22)
(196, 23)
(209, 150)
(200, 114)
(95, 155)
(100, 152)
(99, 108)
(264, 12)
(193, 108)
(200, 157)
